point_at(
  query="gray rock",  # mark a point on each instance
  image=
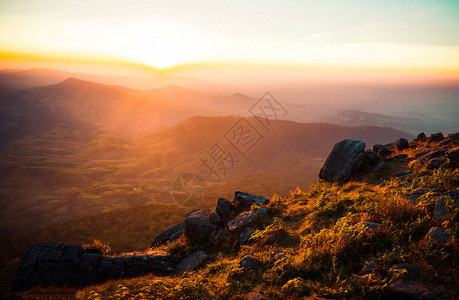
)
(191, 261)
(412, 271)
(250, 263)
(198, 225)
(169, 235)
(440, 209)
(381, 150)
(415, 194)
(224, 209)
(279, 255)
(439, 234)
(367, 268)
(242, 221)
(404, 289)
(371, 225)
(421, 137)
(371, 159)
(345, 160)
(402, 173)
(243, 200)
(436, 137)
(401, 156)
(220, 236)
(245, 235)
(402, 144)
(53, 264)
(215, 219)
(262, 211)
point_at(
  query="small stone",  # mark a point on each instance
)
(440, 209)
(367, 268)
(402, 144)
(254, 296)
(412, 271)
(421, 137)
(415, 194)
(279, 255)
(402, 173)
(250, 263)
(191, 261)
(262, 211)
(244, 201)
(401, 156)
(439, 234)
(371, 225)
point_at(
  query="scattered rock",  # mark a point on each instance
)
(436, 137)
(53, 264)
(279, 255)
(371, 225)
(243, 220)
(402, 144)
(367, 268)
(402, 173)
(250, 263)
(224, 209)
(262, 211)
(404, 289)
(169, 235)
(245, 235)
(191, 261)
(412, 271)
(244, 201)
(439, 234)
(254, 296)
(401, 156)
(415, 194)
(344, 161)
(421, 137)
(198, 226)
(381, 150)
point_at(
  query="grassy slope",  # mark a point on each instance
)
(324, 246)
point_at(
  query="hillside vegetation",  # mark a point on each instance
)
(354, 240)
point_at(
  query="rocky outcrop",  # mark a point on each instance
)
(344, 161)
(169, 235)
(53, 264)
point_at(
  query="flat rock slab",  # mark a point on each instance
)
(169, 235)
(191, 261)
(245, 200)
(242, 221)
(54, 264)
(404, 289)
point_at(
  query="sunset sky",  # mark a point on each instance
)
(407, 35)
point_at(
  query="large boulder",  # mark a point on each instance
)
(421, 137)
(439, 235)
(198, 225)
(436, 137)
(169, 235)
(53, 264)
(344, 161)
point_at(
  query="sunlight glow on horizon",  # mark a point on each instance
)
(414, 35)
